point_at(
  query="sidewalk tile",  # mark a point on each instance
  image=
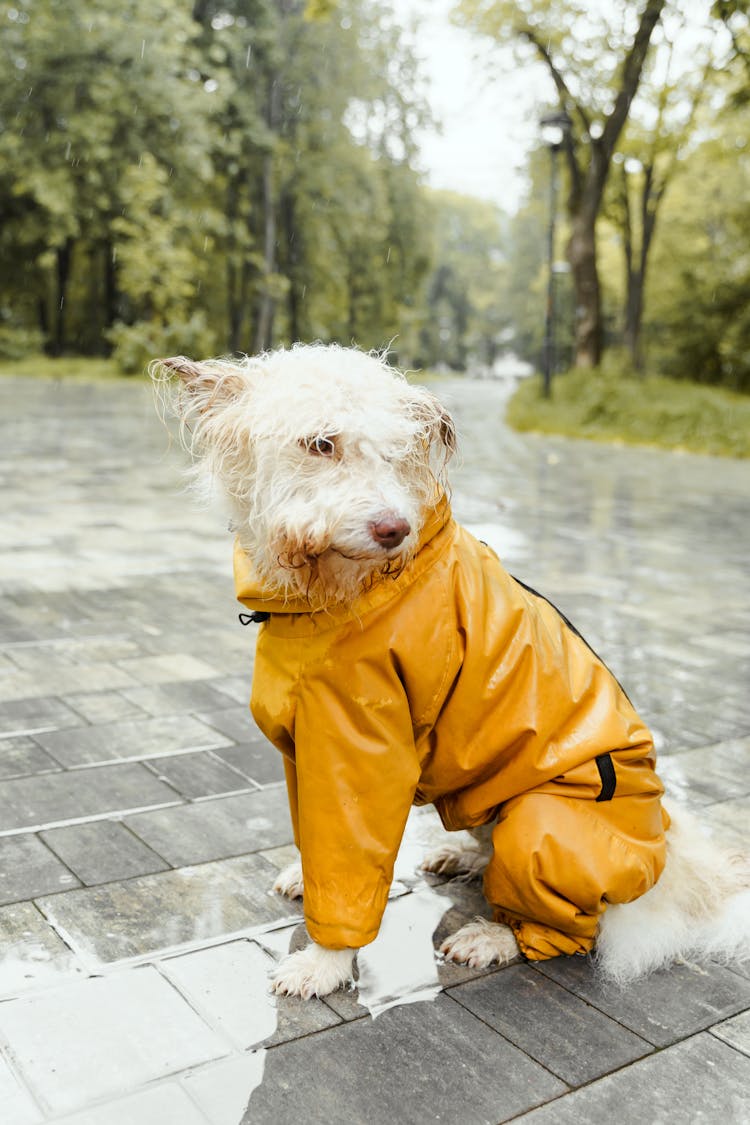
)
(21, 757)
(225, 826)
(735, 1032)
(228, 985)
(165, 1104)
(16, 1104)
(698, 1080)
(97, 1038)
(578, 1043)
(41, 802)
(169, 668)
(236, 722)
(259, 761)
(200, 774)
(663, 1007)
(176, 698)
(32, 953)
(103, 851)
(417, 1063)
(157, 913)
(103, 706)
(223, 1089)
(127, 741)
(22, 716)
(26, 686)
(28, 869)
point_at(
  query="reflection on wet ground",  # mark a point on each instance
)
(143, 819)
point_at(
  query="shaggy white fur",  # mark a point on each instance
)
(315, 449)
(328, 459)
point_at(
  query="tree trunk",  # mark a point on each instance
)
(588, 312)
(62, 276)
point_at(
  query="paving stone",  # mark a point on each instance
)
(129, 1028)
(170, 668)
(25, 716)
(20, 757)
(171, 699)
(698, 1081)
(237, 723)
(735, 1032)
(103, 851)
(33, 955)
(663, 1007)
(199, 775)
(156, 1105)
(51, 799)
(103, 706)
(417, 1063)
(224, 826)
(577, 1042)
(236, 688)
(170, 910)
(222, 1089)
(729, 822)
(16, 1105)
(129, 741)
(63, 680)
(228, 986)
(28, 869)
(261, 763)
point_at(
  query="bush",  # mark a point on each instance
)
(18, 342)
(135, 345)
(653, 410)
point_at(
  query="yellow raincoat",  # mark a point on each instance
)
(453, 683)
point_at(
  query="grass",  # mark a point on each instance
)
(85, 369)
(653, 410)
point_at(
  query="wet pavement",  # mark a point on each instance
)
(143, 818)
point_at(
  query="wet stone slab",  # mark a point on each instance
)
(176, 698)
(16, 1104)
(21, 757)
(229, 986)
(28, 869)
(103, 851)
(225, 826)
(577, 1043)
(33, 955)
(156, 1105)
(129, 741)
(51, 799)
(663, 1007)
(24, 716)
(260, 762)
(129, 1029)
(418, 1063)
(236, 722)
(735, 1032)
(195, 906)
(200, 774)
(698, 1080)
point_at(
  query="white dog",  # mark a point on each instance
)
(397, 662)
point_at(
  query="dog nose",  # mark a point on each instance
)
(389, 531)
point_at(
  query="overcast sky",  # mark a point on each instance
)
(487, 124)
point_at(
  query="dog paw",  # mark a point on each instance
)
(479, 944)
(313, 971)
(289, 881)
(455, 859)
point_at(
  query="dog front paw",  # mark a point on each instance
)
(479, 944)
(455, 859)
(313, 971)
(289, 881)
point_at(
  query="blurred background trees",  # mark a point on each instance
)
(228, 175)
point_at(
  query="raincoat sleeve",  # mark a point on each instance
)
(356, 774)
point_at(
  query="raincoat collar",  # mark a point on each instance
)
(437, 530)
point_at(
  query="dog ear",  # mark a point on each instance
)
(209, 385)
(439, 428)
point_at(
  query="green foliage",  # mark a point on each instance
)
(610, 406)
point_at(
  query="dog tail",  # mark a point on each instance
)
(699, 910)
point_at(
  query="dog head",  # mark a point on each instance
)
(328, 457)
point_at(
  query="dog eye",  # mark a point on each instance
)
(323, 446)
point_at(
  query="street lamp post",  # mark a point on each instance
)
(555, 128)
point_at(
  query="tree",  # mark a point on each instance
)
(595, 65)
